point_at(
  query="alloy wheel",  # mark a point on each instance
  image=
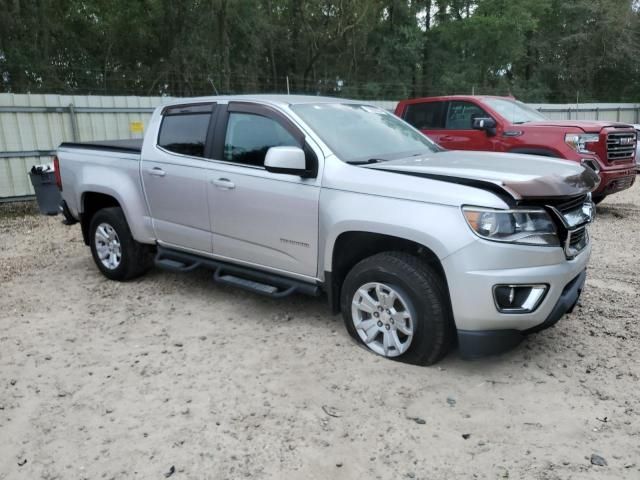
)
(382, 316)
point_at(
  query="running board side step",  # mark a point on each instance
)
(252, 285)
(175, 265)
(262, 283)
(165, 260)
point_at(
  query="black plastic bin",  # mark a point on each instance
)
(44, 183)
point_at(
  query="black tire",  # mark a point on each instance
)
(598, 198)
(135, 258)
(425, 290)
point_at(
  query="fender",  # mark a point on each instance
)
(137, 218)
(123, 184)
(422, 223)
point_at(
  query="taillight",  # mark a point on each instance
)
(56, 172)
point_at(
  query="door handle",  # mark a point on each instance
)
(157, 171)
(224, 183)
(447, 138)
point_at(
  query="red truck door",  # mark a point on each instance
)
(458, 133)
(428, 117)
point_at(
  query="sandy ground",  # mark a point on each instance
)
(172, 373)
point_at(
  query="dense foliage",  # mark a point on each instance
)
(539, 50)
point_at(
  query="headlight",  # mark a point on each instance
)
(579, 141)
(528, 227)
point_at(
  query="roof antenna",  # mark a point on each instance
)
(214, 87)
(288, 93)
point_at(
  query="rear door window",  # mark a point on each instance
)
(461, 114)
(184, 131)
(425, 116)
(249, 136)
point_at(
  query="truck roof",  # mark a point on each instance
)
(273, 99)
(452, 97)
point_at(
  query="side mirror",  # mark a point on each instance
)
(483, 123)
(290, 160)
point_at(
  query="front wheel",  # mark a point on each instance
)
(397, 306)
(114, 250)
(598, 198)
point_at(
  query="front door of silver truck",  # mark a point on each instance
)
(258, 217)
(174, 174)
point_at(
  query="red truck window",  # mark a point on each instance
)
(425, 116)
(461, 114)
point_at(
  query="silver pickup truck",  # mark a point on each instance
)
(417, 246)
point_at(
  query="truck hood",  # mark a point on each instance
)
(591, 126)
(518, 177)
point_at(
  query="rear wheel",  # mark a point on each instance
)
(114, 250)
(396, 305)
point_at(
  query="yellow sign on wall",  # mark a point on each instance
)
(136, 127)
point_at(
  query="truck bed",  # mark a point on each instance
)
(127, 146)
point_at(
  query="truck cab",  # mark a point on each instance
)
(503, 124)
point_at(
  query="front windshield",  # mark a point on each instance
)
(514, 111)
(357, 133)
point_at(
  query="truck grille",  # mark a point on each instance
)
(621, 146)
(576, 241)
(572, 218)
(570, 205)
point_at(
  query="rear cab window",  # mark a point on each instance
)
(184, 129)
(426, 115)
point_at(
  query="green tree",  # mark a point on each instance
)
(538, 50)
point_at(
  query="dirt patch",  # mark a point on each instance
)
(18, 209)
(171, 373)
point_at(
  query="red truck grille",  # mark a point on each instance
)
(621, 146)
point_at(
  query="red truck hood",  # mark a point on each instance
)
(592, 126)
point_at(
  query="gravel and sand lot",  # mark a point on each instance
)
(172, 376)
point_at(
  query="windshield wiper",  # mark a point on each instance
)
(366, 162)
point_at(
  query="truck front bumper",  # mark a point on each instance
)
(480, 343)
(473, 272)
(616, 180)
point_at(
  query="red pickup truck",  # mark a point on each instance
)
(503, 124)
